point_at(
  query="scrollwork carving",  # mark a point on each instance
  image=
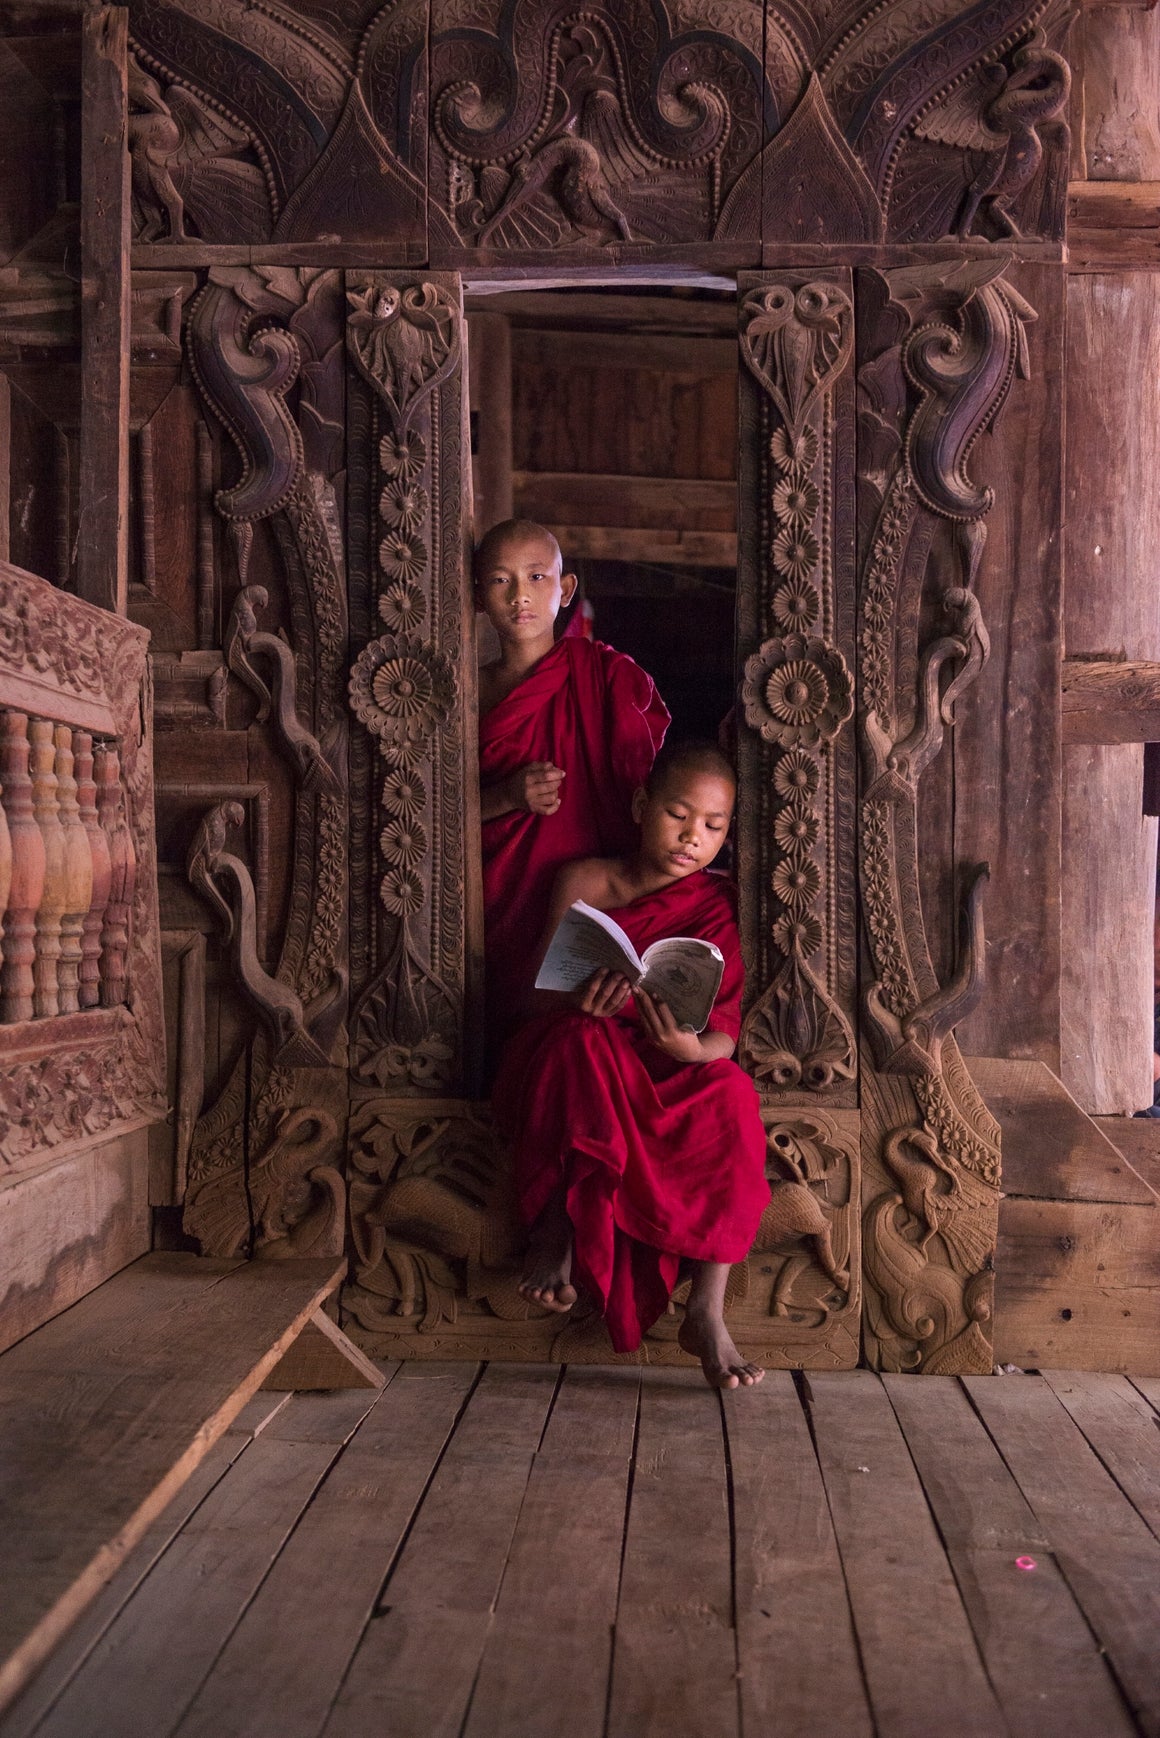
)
(405, 342)
(244, 641)
(291, 1204)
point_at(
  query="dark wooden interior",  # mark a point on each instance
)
(825, 340)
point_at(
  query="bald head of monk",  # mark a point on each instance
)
(520, 585)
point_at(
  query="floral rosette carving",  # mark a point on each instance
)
(797, 691)
(402, 690)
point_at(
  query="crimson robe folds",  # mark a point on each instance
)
(658, 1159)
(597, 714)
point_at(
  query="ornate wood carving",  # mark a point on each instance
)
(537, 126)
(67, 1073)
(411, 693)
(941, 346)
(265, 346)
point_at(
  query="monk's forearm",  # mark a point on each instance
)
(716, 1046)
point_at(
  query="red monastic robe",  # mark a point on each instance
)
(658, 1159)
(597, 714)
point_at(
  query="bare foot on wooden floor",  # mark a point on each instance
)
(547, 1278)
(706, 1337)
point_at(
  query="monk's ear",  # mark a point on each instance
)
(568, 584)
(639, 803)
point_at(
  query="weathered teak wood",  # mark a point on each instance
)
(905, 1604)
(1051, 1149)
(102, 546)
(324, 1587)
(547, 1671)
(417, 1659)
(1043, 1664)
(1110, 702)
(108, 1408)
(1109, 1558)
(1121, 1428)
(674, 1660)
(322, 1357)
(786, 1559)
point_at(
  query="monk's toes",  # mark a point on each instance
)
(748, 1374)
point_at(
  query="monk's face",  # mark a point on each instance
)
(684, 823)
(521, 589)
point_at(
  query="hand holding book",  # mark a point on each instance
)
(681, 971)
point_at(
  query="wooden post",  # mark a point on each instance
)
(102, 545)
(490, 366)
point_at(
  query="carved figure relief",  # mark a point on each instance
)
(930, 1148)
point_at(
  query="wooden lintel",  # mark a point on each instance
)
(673, 548)
(668, 353)
(323, 1357)
(566, 498)
(1110, 702)
(103, 540)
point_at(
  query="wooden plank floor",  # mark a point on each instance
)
(520, 1552)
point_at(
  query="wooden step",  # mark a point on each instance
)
(1077, 1284)
(106, 1410)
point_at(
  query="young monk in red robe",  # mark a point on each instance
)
(638, 1144)
(568, 730)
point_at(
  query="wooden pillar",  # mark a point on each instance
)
(102, 545)
(489, 352)
(1119, 56)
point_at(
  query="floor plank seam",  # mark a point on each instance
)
(377, 1608)
(552, 1405)
(731, 1507)
(1060, 1566)
(1110, 1470)
(631, 1480)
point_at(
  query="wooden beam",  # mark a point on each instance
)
(103, 540)
(683, 353)
(673, 504)
(674, 548)
(1110, 702)
(489, 357)
(618, 313)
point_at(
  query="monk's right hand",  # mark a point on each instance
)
(604, 994)
(535, 787)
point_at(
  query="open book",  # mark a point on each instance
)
(682, 971)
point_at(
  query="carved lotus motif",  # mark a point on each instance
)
(798, 934)
(796, 775)
(797, 691)
(795, 453)
(797, 883)
(796, 607)
(401, 891)
(795, 499)
(402, 556)
(403, 841)
(404, 503)
(403, 792)
(402, 606)
(402, 689)
(796, 553)
(403, 456)
(796, 829)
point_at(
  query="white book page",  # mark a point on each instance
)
(686, 973)
(585, 941)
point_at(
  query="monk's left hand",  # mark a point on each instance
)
(660, 1025)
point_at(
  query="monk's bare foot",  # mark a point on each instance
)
(547, 1279)
(706, 1337)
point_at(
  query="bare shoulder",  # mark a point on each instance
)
(588, 878)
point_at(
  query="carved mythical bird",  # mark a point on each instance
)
(184, 154)
(244, 640)
(997, 113)
(298, 1201)
(573, 168)
(944, 1201)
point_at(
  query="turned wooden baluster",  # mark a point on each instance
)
(5, 859)
(115, 929)
(78, 873)
(27, 884)
(46, 805)
(89, 988)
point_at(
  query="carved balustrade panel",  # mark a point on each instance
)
(525, 127)
(940, 348)
(81, 1048)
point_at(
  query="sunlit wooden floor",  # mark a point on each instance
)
(510, 1551)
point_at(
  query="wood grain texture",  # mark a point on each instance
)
(1077, 1286)
(418, 1656)
(905, 1604)
(1121, 94)
(324, 1586)
(787, 1562)
(545, 1666)
(103, 544)
(1043, 1663)
(1110, 702)
(1108, 1557)
(1120, 1426)
(1051, 1150)
(674, 1665)
(108, 1408)
(322, 1357)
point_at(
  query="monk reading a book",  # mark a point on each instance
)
(568, 730)
(638, 1144)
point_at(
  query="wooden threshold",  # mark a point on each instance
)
(107, 1409)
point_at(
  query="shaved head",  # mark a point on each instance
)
(682, 757)
(510, 531)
